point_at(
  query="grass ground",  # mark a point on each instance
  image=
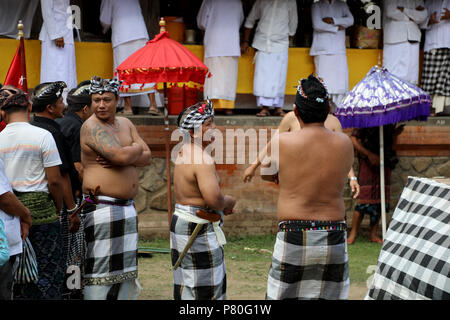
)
(247, 263)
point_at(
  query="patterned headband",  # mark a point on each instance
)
(99, 85)
(81, 94)
(196, 115)
(48, 92)
(12, 96)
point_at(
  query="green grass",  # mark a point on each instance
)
(258, 249)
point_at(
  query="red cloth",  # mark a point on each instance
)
(162, 60)
(17, 73)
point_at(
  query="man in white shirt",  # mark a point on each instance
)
(277, 21)
(221, 20)
(436, 60)
(58, 61)
(129, 34)
(330, 18)
(32, 162)
(401, 37)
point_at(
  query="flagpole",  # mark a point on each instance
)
(22, 56)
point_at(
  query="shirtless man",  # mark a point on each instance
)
(111, 149)
(310, 259)
(197, 188)
(290, 123)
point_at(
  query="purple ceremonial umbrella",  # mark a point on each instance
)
(379, 99)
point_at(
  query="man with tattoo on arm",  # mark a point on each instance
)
(111, 149)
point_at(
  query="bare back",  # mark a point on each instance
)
(116, 181)
(313, 167)
(194, 183)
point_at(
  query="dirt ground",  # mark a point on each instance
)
(245, 281)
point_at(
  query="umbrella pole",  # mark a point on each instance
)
(382, 182)
(167, 136)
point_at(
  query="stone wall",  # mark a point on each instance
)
(423, 152)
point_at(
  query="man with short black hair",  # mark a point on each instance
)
(48, 106)
(310, 258)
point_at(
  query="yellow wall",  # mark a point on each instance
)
(95, 58)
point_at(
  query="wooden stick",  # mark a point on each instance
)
(211, 217)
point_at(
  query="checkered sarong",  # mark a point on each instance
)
(436, 72)
(201, 275)
(414, 262)
(111, 235)
(310, 264)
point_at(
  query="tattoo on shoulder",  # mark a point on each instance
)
(100, 139)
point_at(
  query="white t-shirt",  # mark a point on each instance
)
(26, 151)
(12, 224)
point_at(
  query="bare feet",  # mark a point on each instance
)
(350, 240)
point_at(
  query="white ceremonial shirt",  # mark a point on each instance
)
(402, 26)
(277, 21)
(57, 17)
(437, 35)
(125, 19)
(327, 39)
(221, 20)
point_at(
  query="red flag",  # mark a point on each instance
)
(17, 72)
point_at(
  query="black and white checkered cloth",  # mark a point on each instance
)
(414, 261)
(436, 72)
(201, 275)
(309, 264)
(111, 234)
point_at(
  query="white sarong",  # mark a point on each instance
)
(333, 70)
(58, 64)
(223, 81)
(269, 82)
(402, 60)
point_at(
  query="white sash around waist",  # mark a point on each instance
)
(186, 215)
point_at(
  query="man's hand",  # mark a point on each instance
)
(103, 162)
(74, 222)
(244, 47)
(341, 28)
(230, 202)
(59, 42)
(433, 19)
(328, 20)
(249, 173)
(25, 224)
(354, 185)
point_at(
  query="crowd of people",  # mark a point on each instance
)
(275, 22)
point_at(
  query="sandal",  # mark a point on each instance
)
(279, 112)
(154, 112)
(263, 113)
